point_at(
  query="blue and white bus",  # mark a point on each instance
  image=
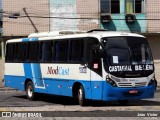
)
(96, 65)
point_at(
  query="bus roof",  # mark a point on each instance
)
(55, 35)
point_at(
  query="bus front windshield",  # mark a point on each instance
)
(127, 52)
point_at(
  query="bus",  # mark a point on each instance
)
(95, 65)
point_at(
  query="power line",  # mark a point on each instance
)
(88, 18)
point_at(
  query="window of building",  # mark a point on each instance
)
(134, 6)
(76, 50)
(110, 6)
(61, 51)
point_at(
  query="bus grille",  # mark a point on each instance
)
(139, 84)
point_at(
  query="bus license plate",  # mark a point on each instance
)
(133, 91)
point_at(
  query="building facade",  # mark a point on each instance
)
(153, 32)
(1, 24)
(74, 14)
(138, 16)
(24, 24)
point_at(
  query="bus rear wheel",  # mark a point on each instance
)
(81, 96)
(30, 91)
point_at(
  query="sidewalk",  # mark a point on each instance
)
(1, 84)
(158, 87)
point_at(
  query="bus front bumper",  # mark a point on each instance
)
(116, 93)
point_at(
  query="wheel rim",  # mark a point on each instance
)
(80, 94)
(30, 91)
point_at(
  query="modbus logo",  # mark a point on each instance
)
(58, 71)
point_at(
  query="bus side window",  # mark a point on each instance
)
(20, 52)
(76, 50)
(32, 52)
(61, 51)
(45, 51)
(10, 52)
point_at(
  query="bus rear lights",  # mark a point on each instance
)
(110, 81)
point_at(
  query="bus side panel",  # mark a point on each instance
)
(14, 75)
(27, 70)
(87, 88)
(58, 86)
(16, 82)
(60, 78)
(32, 71)
(96, 85)
(64, 87)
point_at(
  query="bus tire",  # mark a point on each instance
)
(30, 91)
(81, 96)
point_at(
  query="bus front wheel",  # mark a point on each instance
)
(81, 96)
(30, 91)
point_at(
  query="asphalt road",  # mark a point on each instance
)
(12, 100)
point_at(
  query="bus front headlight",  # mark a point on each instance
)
(152, 81)
(110, 81)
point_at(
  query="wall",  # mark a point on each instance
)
(153, 26)
(22, 26)
(61, 11)
(76, 14)
(0, 17)
(154, 41)
(88, 9)
(153, 16)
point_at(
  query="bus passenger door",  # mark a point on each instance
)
(96, 75)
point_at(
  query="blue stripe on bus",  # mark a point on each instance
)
(29, 39)
(27, 70)
(27, 66)
(37, 75)
(33, 70)
(25, 39)
(33, 39)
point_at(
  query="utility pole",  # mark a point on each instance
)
(36, 30)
